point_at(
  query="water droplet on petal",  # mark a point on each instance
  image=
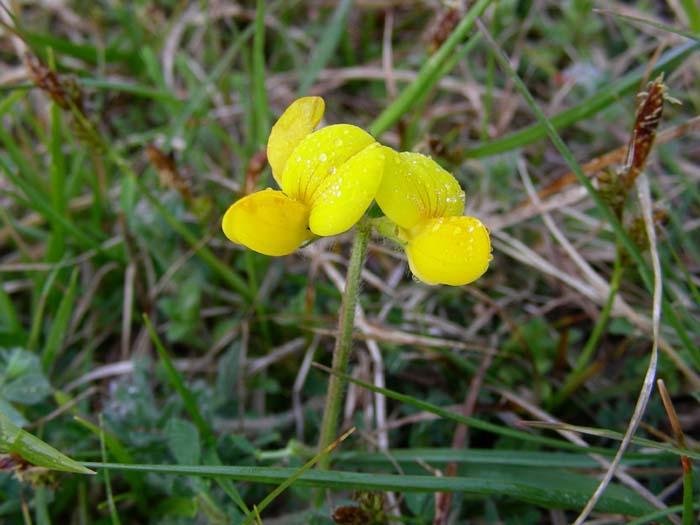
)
(323, 157)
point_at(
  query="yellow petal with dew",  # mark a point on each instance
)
(344, 196)
(415, 188)
(297, 121)
(267, 222)
(319, 156)
(449, 250)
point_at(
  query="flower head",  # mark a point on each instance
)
(426, 203)
(328, 179)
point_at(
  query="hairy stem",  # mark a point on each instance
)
(343, 343)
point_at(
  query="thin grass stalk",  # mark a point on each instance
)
(343, 344)
(429, 74)
(644, 195)
(114, 515)
(574, 377)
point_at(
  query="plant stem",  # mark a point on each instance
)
(343, 343)
(578, 373)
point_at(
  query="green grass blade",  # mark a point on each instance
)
(467, 420)
(660, 25)
(38, 318)
(10, 101)
(13, 439)
(601, 100)
(522, 458)
(40, 203)
(546, 487)
(617, 436)
(85, 52)
(326, 46)
(653, 517)
(57, 176)
(692, 10)
(429, 74)
(9, 321)
(130, 88)
(57, 333)
(178, 383)
(114, 515)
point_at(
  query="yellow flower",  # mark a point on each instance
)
(328, 179)
(426, 203)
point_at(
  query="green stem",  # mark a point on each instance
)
(574, 377)
(688, 512)
(343, 344)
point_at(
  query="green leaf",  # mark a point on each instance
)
(27, 389)
(22, 380)
(34, 450)
(183, 441)
(545, 487)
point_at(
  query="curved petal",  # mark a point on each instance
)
(298, 120)
(449, 250)
(319, 155)
(415, 188)
(268, 222)
(345, 195)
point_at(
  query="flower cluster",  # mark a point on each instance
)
(328, 179)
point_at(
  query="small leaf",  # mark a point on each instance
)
(183, 441)
(27, 389)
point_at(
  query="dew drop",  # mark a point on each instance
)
(338, 142)
(323, 157)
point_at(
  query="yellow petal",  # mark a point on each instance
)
(344, 196)
(297, 121)
(268, 222)
(415, 188)
(320, 155)
(449, 250)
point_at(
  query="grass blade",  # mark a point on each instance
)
(548, 488)
(326, 46)
(601, 100)
(178, 383)
(429, 74)
(466, 420)
(15, 440)
(57, 333)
